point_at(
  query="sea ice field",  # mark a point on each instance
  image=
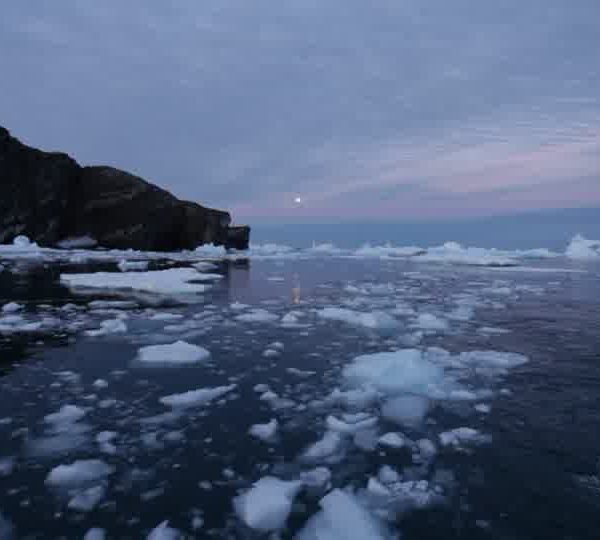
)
(314, 394)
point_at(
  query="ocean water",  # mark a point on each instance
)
(484, 364)
(545, 229)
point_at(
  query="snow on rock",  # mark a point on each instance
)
(405, 370)
(164, 532)
(376, 320)
(461, 436)
(581, 248)
(172, 354)
(266, 506)
(79, 473)
(196, 398)
(343, 516)
(171, 281)
(265, 432)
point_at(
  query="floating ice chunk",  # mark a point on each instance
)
(392, 440)
(79, 473)
(265, 432)
(461, 436)
(375, 487)
(7, 465)
(483, 408)
(128, 266)
(111, 326)
(319, 477)
(493, 359)
(493, 331)
(79, 242)
(12, 307)
(67, 414)
(87, 499)
(387, 251)
(271, 353)
(406, 410)
(95, 534)
(257, 316)
(105, 441)
(210, 250)
(171, 281)
(581, 248)
(205, 276)
(100, 384)
(387, 475)
(300, 373)
(164, 532)
(166, 316)
(405, 370)
(335, 424)
(173, 354)
(266, 506)
(342, 516)
(357, 398)
(377, 320)
(454, 253)
(238, 306)
(430, 322)
(325, 448)
(196, 398)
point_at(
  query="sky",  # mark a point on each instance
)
(318, 110)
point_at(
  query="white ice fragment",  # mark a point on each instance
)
(318, 477)
(257, 316)
(408, 410)
(392, 440)
(300, 373)
(265, 432)
(335, 424)
(79, 473)
(266, 506)
(165, 316)
(67, 414)
(128, 266)
(164, 532)
(100, 384)
(11, 307)
(173, 354)
(461, 436)
(95, 534)
(581, 248)
(111, 326)
(87, 499)
(376, 320)
(405, 370)
(196, 398)
(483, 408)
(343, 517)
(324, 448)
(171, 281)
(430, 322)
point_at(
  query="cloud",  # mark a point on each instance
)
(366, 109)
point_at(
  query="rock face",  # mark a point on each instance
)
(50, 198)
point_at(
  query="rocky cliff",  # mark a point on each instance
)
(50, 198)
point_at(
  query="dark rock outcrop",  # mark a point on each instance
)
(49, 197)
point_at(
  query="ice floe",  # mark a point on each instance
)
(375, 320)
(79, 473)
(196, 398)
(266, 506)
(265, 432)
(581, 248)
(161, 282)
(175, 354)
